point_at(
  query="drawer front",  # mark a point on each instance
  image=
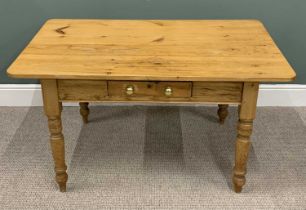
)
(82, 90)
(217, 91)
(96, 90)
(137, 89)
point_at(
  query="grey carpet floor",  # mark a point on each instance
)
(149, 157)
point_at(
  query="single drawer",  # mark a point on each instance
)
(217, 91)
(87, 90)
(144, 89)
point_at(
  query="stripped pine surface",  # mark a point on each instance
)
(163, 50)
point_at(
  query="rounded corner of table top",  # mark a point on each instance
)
(10, 72)
(292, 77)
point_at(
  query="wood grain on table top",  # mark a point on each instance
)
(172, 50)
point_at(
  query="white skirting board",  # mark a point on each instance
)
(269, 95)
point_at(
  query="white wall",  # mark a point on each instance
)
(269, 95)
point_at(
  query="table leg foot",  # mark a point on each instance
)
(84, 111)
(237, 188)
(222, 112)
(62, 187)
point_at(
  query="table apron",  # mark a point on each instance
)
(149, 91)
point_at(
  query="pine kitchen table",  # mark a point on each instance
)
(190, 61)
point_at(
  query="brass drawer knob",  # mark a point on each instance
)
(168, 91)
(129, 90)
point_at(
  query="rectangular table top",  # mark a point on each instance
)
(173, 50)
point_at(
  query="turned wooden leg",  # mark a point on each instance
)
(53, 111)
(242, 150)
(84, 111)
(247, 112)
(222, 112)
